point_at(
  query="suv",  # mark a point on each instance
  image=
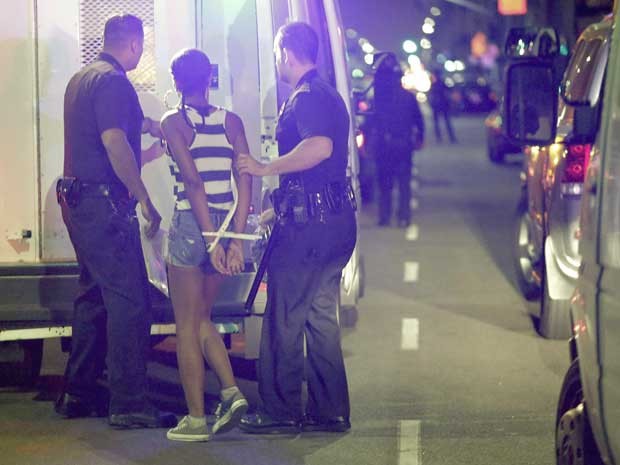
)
(588, 412)
(546, 232)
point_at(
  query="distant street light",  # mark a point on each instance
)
(435, 11)
(409, 46)
(425, 44)
(367, 47)
(428, 28)
(369, 59)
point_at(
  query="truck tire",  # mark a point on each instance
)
(574, 442)
(525, 264)
(554, 321)
(20, 362)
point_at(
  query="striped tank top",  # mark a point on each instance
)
(212, 154)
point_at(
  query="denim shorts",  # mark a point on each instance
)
(186, 245)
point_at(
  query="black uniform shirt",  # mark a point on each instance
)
(315, 109)
(99, 97)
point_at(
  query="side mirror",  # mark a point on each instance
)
(530, 109)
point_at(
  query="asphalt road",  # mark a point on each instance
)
(445, 367)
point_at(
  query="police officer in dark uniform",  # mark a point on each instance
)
(399, 130)
(314, 240)
(98, 194)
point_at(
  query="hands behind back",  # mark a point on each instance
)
(234, 258)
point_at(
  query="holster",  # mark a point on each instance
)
(290, 203)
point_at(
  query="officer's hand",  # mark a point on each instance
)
(155, 130)
(246, 164)
(267, 218)
(234, 258)
(152, 217)
(218, 259)
(152, 127)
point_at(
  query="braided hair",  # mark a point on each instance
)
(191, 71)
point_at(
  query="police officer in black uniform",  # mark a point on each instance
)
(399, 130)
(98, 194)
(314, 240)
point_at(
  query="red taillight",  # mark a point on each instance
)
(576, 164)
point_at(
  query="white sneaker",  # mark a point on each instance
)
(229, 413)
(185, 432)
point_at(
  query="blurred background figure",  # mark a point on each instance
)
(399, 130)
(440, 104)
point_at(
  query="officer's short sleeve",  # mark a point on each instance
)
(313, 115)
(112, 103)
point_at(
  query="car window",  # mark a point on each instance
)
(584, 74)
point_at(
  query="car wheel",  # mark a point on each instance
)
(554, 321)
(574, 442)
(524, 258)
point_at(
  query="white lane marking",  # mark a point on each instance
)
(413, 232)
(411, 272)
(414, 204)
(410, 334)
(409, 452)
(415, 185)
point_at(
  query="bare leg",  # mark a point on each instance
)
(186, 291)
(211, 341)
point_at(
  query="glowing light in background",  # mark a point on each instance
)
(426, 44)
(368, 48)
(369, 58)
(414, 61)
(435, 11)
(428, 28)
(409, 46)
(357, 73)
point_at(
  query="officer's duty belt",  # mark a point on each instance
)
(296, 204)
(88, 189)
(71, 190)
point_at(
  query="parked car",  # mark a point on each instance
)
(471, 92)
(546, 256)
(498, 145)
(588, 411)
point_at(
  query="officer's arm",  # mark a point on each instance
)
(314, 118)
(112, 108)
(194, 187)
(123, 162)
(307, 154)
(236, 136)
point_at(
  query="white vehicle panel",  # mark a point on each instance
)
(18, 158)
(609, 250)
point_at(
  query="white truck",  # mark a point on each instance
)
(43, 43)
(588, 412)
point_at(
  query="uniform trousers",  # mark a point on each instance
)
(111, 311)
(304, 273)
(394, 164)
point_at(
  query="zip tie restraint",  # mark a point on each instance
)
(222, 232)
